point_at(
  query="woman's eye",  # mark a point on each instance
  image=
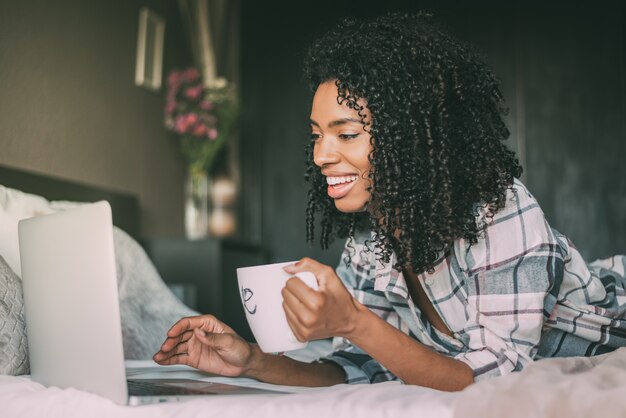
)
(315, 137)
(348, 136)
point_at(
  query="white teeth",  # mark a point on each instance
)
(338, 180)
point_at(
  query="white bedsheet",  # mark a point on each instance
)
(21, 397)
(573, 387)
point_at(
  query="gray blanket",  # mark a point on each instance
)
(147, 307)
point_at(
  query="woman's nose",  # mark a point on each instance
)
(325, 152)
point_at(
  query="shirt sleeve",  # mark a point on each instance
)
(511, 271)
(358, 366)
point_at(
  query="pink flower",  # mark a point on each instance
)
(184, 122)
(170, 107)
(180, 125)
(193, 93)
(212, 134)
(199, 130)
(190, 75)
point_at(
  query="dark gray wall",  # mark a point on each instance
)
(562, 72)
(275, 125)
(69, 106)
(575, 123)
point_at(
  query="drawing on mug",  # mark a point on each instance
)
(246, 295)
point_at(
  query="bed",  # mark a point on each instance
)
(569, 387)
(548, 388)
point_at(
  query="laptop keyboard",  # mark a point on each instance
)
(141, 388)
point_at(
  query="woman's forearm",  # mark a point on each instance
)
(409, 360)
(282, 370)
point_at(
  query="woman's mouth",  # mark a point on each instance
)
(339, 186)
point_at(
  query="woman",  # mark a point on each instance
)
(450, 273)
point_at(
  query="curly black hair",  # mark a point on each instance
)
(437, 136)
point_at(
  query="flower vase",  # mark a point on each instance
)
(196, 204)
(221, 207)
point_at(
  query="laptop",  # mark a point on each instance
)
(72, 311)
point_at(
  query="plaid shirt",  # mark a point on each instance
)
(522, 292)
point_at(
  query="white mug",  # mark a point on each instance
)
(260, 290)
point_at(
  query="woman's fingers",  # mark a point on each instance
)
(323, 273)
(183, 325)
(305, 264)
(208, 323)
(214, 340)
(183, 346)
(298, 293)
(298, 311)
(318, 314)
(171, 342)
(294, 322)
(177, 349)
(177, 359)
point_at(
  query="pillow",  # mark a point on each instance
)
(15, 206)
(13, 344)
(147, 306)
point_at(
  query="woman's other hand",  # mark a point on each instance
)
(206, 343)
(329, 312)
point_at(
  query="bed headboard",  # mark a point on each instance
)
(125, 206)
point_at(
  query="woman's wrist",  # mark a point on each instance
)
(358, 321)
(256, 362)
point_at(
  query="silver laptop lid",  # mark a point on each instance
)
(71, 301)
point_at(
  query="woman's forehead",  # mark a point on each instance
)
(326, 105)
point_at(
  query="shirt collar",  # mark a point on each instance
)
(386, 278)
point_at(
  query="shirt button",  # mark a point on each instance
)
(429, 281)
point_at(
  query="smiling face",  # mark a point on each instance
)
(342, 147)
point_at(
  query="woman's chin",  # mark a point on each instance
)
(349, 207)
